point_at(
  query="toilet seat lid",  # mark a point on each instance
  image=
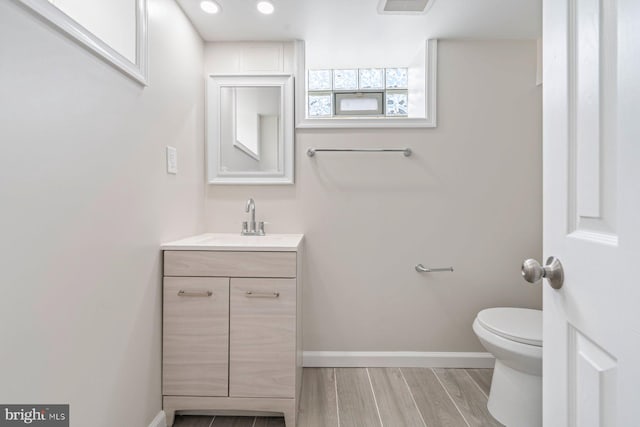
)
(522, 325)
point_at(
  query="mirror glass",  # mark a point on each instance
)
(250, 129)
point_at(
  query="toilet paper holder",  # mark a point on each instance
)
(422, 269)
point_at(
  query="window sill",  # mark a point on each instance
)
(357, 122)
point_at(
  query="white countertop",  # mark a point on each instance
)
(236, 242)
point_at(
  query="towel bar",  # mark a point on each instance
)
(406, 151)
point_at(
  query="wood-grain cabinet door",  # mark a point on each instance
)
(195, 336)
(262, 338)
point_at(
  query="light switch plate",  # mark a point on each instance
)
(172, 160)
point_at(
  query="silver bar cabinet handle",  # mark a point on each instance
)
(183, 293)
(251, 294)
(422, 269)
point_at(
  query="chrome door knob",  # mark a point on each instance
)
(532, 271)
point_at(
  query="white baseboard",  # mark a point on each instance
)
(159, 421)
(396, 359)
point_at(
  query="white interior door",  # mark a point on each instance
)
(592, 212)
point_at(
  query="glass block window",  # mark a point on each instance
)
(320, 79)
(397, 103)
(345, 79)
(320, 104)
(390, 84)
(397, 78)
(371, 78)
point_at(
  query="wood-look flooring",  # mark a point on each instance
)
(380, 397)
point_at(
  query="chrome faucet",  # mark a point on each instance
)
(251, 207)
(249, 228)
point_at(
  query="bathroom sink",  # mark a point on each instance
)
(236, 242)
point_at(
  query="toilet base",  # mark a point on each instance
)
(516, 397)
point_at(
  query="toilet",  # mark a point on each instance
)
(514, 337)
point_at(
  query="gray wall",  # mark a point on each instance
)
(85, 204)
(469, 197)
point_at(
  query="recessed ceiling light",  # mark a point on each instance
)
(265, 7)
(210, 6)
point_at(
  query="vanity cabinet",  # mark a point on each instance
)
(232, 326)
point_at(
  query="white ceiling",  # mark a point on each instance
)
(359, 20)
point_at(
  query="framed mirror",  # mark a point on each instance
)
(114, 30)
(250, 129)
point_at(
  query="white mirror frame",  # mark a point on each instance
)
(67, 25)
(215, 83)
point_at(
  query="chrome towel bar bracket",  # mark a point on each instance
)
(406, 151)
(422, 269)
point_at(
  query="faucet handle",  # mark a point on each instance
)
(261, 228)
(245, 227)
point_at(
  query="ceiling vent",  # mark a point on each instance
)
(404, 7)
